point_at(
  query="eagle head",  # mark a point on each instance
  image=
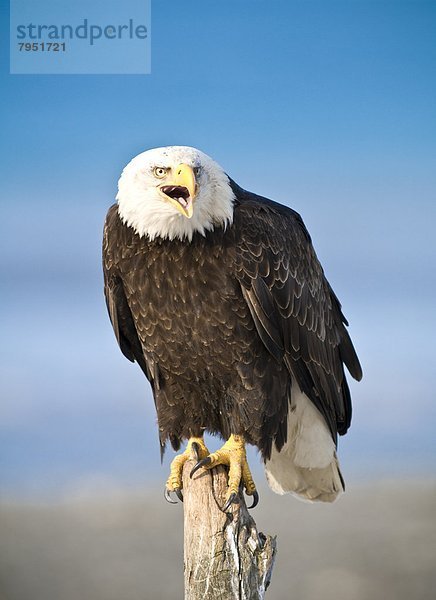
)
(174, 192)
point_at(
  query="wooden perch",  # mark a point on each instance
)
(226, 558)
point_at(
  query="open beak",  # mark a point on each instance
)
(181, 192)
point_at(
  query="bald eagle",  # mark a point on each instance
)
(218, 295)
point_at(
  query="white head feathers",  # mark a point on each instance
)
(142, 205)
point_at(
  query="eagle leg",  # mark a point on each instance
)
(196, 449)
(232, 454)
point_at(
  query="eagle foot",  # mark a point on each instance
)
(195, 449)
(233, 455)
(177, 491)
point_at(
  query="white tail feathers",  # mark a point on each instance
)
(307, 465)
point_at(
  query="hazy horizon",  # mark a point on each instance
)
(376, 543)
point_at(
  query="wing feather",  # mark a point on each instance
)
(296, 312)
(116, 301)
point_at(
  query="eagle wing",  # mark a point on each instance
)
(295, 311)
(116, 301)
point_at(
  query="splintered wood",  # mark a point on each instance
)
(226, 558)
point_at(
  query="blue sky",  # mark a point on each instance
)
(326, 107)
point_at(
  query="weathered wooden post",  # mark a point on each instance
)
(225, 557)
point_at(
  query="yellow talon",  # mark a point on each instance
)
(232, 454)
(198, 452)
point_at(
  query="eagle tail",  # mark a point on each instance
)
(307, 466)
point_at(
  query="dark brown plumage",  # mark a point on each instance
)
(220, 325)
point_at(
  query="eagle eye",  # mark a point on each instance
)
(160, 172)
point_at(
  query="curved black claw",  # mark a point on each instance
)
(201, 463)
(255, 499)
(196, 449)
(168, 497)
(179, 494)
(233, 499)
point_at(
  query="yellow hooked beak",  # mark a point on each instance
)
(182, 190)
